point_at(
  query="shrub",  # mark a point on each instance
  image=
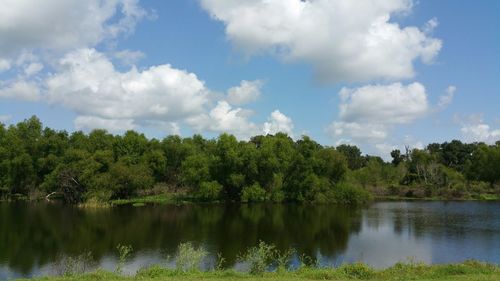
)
(124, 252)
(259, 258)
(283, 260)
(348, 194)
(189, 258)
(209, 191)
(69, 266)
(253, 193)
(357, 270)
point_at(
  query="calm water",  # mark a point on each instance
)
(34, 236)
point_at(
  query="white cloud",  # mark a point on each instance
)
(64, 24)
(385, 150)
(33, 68)
(171, 128)
(447, 99)
(88, 83)
(368, 114)
(430, 25)
(345, 41)
(383, 104)
(21, 90)
(88, 123)
(128, 57)
(225, 119)
(278, 122)
(4, 65)
(358, 132)
(247, 91)
(476, 130)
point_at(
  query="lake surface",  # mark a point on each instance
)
(33, 237)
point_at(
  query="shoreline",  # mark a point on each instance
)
(468, 270)
(183, 199)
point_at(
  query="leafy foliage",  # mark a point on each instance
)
(189, 258)
(98, 166)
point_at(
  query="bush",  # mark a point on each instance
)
(283, 260)
(345, 193)
(259, 258)
(154, 271)
(69, 266)
(124, 252)
(253, 193)
(189, 258)
(357, 270)
(209, 191)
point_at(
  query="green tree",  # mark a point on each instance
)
(353, 155)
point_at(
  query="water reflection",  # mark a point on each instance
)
(34, 236)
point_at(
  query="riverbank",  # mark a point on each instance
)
(470, 270)
(482, 197)
(175, 198)
(182, 198)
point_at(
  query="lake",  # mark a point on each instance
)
(33, 237)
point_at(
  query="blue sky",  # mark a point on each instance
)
(411, 72)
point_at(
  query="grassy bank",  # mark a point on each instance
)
(181, 198)
(164, 198)
(470, 270)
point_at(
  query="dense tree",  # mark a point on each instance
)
(397, 157)
(484, 164)
(37, 161)
(353, 155)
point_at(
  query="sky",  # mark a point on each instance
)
(379, 74)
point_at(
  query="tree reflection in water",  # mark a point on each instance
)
(35, 235)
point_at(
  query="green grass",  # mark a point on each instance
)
(164, 198)
(182, 198)
(470, 270)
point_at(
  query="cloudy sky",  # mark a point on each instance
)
(380, 74)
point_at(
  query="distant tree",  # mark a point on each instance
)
(353, 155)
(38, 161)
(397, 157)
(195, 170)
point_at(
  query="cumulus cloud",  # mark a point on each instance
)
(161, 96)
(62, 35)
(278, 122)
(20, 90)
(4, 65)
(358, 132)
(476, 130)
(88, 83)
(128, 57)
(33, 68)
(225, 119)
(383, 104)
(64, 24)
(446, 99)
(367, 114)
(343, 40)
(87, 123)
(247, 91)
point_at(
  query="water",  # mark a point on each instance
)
(33, 237)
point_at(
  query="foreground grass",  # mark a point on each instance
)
(470, 270)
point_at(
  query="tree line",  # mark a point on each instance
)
(36, 161)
